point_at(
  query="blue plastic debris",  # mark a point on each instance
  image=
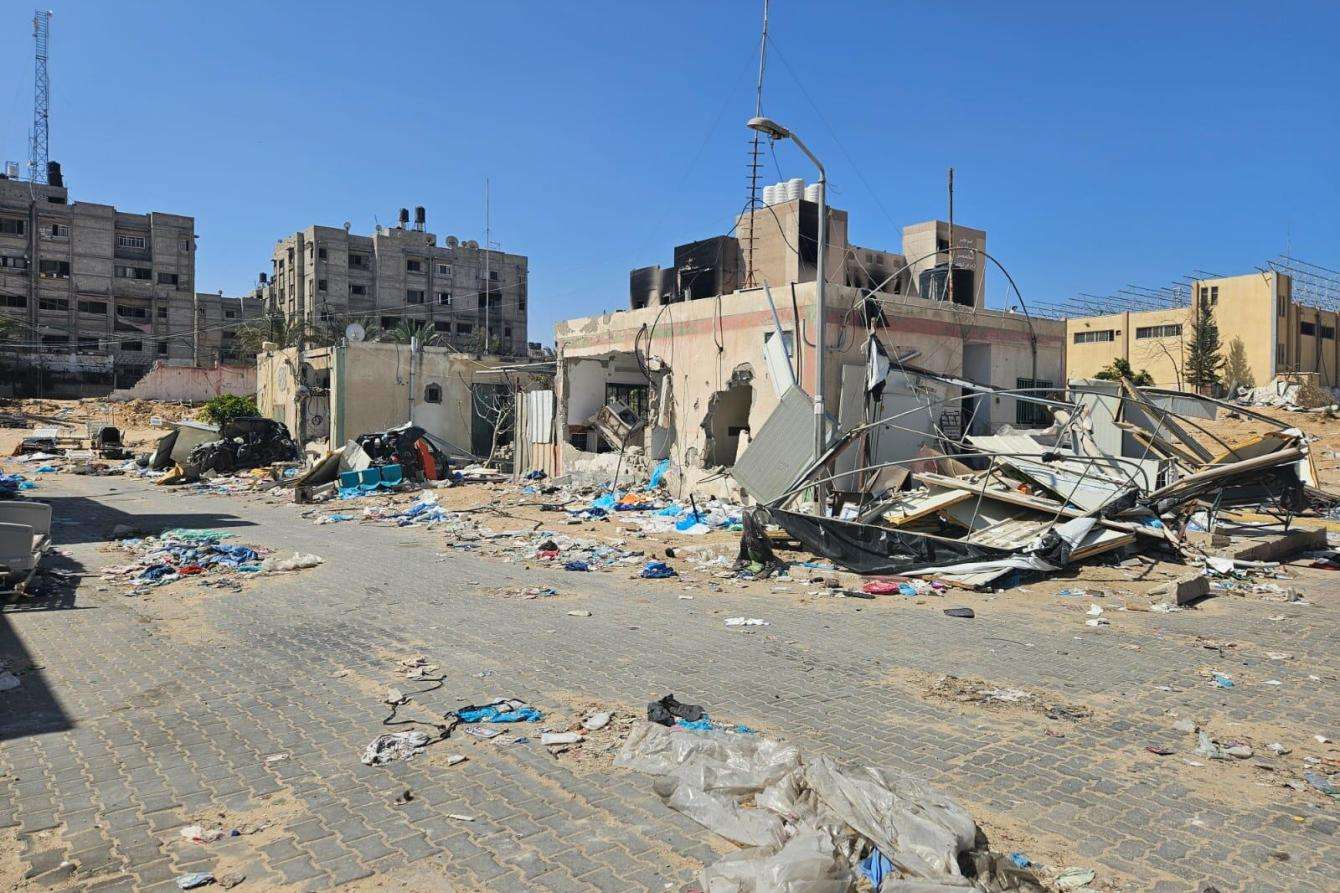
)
(500, 711)
(1222, 681)
(657, 570)
(45, 469)
(576, 565)
(657, 473)
(1020, 860)
(876, 867)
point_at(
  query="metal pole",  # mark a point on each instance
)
(820, 316)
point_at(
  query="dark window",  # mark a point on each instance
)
(133, 346)
(162, 347)
(59, 269)
(414, 296)
(1171, 330)
(388, 322)
(11, 227)
(87, 345)
(13, 263)
(1282, 306)
(1307, 328)
(1034, 414)
(55, 339)
(98, 307)
(134, 273)
(53, 304)
(442, 325)
(321, 253)
(320, 285)
(493, 275)
(132, 312)
(167, 279)
(432, 394)
(162, 313)
(507, 331)
(464, 328)
(634, 396)
(444, 298)
(444, 269)
(230, 314)
(414, 266)
(16, 301)
(358, 289)
(1098, 335)
(1328, 332)
(57, 230)
(358, 261)
(1214, 295)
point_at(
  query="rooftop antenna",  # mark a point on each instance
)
(38, 154)
(488, 287)
(754, 151)
(950, 277)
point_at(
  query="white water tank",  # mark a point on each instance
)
(795, 189)
(769, 195)
(812, 193)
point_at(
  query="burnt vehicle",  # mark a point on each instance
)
(410, 447)
(244, 442)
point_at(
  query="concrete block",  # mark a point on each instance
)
(1184, 591)
(1300, 539)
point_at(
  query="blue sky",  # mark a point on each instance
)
(1098, 145)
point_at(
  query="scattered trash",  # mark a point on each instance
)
(549, 739)
(579, 613)
(745, 621)
(276, 565)
(596, 721)
(657, 570)
(665, 711)
(194, 879)
(459, 817)
(967, 613)
(395, 746)
(502, 710)
(1074, 878)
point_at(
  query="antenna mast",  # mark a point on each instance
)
(38, 155)
(754, 152)
(488, 286)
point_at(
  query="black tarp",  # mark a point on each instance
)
(867, 549)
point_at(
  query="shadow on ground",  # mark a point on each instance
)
(78, 519)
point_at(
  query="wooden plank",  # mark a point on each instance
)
(921, 505)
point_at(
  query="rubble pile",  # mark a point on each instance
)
(180, 553)
(1119, 471)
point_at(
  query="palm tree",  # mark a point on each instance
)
(407, 330)
(9, 326)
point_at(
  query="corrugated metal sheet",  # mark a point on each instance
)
(781, 449)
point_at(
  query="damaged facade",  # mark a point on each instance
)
(357, 388)
(705, 378)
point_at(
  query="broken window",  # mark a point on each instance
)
(634, 396)
(432, 393)
(1032, 414)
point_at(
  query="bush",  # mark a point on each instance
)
(227, 406)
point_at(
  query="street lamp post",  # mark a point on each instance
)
(777, 132)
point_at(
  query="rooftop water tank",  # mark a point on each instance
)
(795, 189)
(812, 193)
(769, 195)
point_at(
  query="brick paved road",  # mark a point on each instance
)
(131, 724)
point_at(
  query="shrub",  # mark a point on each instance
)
(228, 406)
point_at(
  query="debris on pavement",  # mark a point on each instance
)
(804, 822)
(394, 746)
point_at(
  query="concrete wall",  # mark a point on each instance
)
(190, 384)
(703, 352)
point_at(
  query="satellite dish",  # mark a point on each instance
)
(355, 332)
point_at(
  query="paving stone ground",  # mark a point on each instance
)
(129, 723)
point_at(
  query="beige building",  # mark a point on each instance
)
(474, 298)
(1278, 334)
(363, 387)
(100, 295)
(712, 363)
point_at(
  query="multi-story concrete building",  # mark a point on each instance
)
(1278, 334)
(474, 298)
(98, 295)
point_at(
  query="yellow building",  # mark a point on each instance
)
(1277, 334)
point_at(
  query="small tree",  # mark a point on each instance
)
(1204, 360)
(1121, 369)
(228, 406)
(9, 327)
(1237, 370)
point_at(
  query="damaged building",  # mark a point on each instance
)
(704, 369)
(351, 389)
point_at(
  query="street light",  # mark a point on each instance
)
(773, 130)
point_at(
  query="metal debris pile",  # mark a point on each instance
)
(1120, 469)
